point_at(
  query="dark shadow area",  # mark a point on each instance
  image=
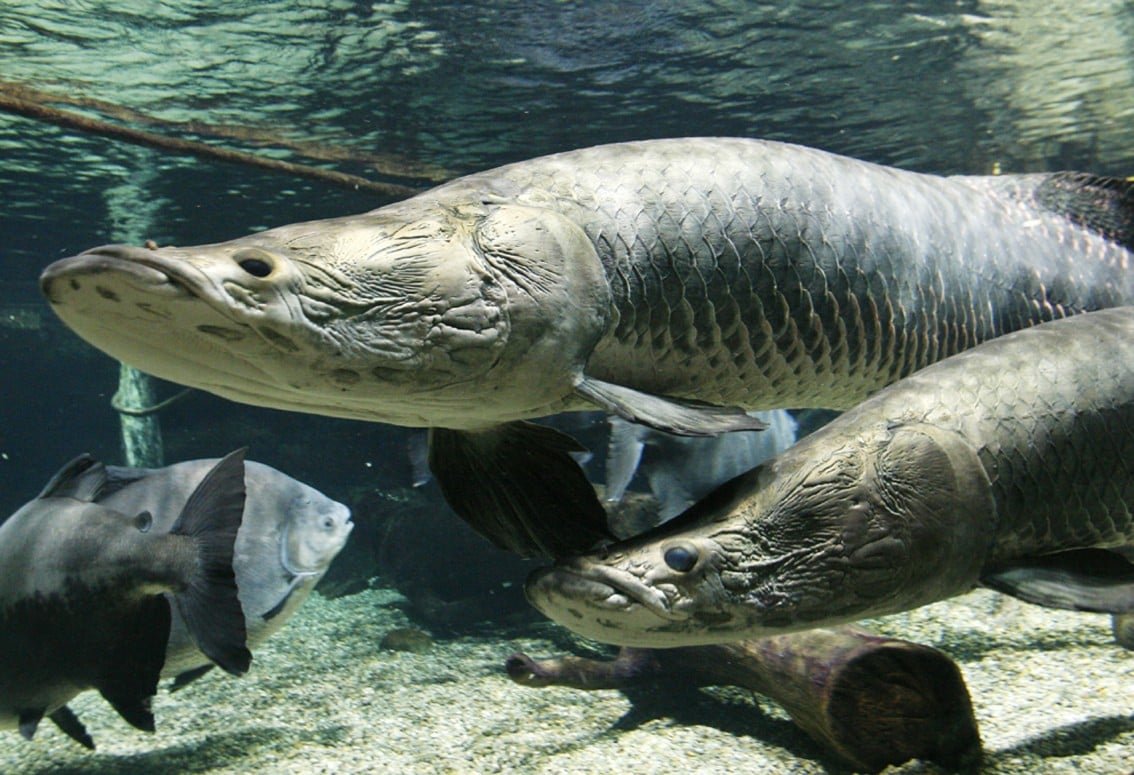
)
(728, 709)
(217, 750)
(1070, 740)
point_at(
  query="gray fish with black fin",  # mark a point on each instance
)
(1010, 465)
(675, 283)
(288, 537)
(83, 596)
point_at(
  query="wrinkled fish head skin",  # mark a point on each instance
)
(317, 529)
(399, 315)
(828, 532)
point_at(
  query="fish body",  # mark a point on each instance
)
(676, 283)
(83, 596)
(680, 469)
(1010, 464)
(288, 537)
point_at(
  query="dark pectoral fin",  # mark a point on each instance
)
(666, 414)
(1079, 580)
(29, 722)
(517, 485)
(67, 721)
(278, 608)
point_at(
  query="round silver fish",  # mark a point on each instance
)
(289, 535)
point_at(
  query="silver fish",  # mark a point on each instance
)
(676, 283)
(1009, 465)
(83, 596)
(289, 535)
(681, 470)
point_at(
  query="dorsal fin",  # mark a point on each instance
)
(81, 478)
(1102, 204)
(118, 477)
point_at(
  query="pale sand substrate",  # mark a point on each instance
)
(1052, 694)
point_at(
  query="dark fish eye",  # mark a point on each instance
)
(681, 558)
(254, 262)
(144, 521)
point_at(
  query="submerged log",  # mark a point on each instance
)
(869, 700)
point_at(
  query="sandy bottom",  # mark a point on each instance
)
(1052, 694)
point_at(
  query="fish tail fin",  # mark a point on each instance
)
(209, 604)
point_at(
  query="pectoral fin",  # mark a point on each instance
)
(29, 722)
(1079, 580)
(623, 454)
(683, 418)
(278, 608)
(517, 485)
(67, 721)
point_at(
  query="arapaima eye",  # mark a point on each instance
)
(254, 262)
(681, 558)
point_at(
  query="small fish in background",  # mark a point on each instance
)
(417, 452)
(680, 470)
(290, 534)
(87, 594)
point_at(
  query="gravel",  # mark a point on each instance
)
(1051, 690)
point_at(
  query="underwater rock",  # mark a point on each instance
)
(409, 639)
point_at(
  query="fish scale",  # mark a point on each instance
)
(782, 235)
